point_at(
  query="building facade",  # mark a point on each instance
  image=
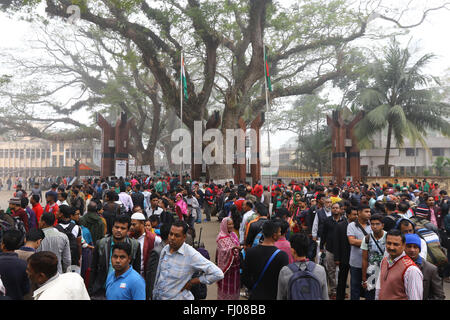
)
(405, 160)
(37, 157)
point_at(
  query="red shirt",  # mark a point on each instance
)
(37, 208)
(53, 209)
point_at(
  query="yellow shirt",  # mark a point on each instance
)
(335, 199)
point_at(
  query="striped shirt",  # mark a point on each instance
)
(58, 243)
(176, 269)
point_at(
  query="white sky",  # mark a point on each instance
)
(430, 37)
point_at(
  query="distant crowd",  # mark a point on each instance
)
(138, 238)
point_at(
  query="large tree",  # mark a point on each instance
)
(307, 43)
(402, 99)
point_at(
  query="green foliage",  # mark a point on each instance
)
(441, 164)
(399, 96)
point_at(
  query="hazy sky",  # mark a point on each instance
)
(430, 37)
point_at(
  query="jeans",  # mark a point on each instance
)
(342, 281)
(198, 215)
(355, 283)
(208, 210)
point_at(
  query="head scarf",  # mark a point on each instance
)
(226, 241)
(182, 204)
(295, 193)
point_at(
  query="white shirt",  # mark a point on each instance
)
(244, 224)
(59, 203)
(66, 286)
(141, 241)
(315, 227)
(126, 200)
(150, 211)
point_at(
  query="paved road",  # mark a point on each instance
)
(209, 234)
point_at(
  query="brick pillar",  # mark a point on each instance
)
(122, 131)
(355, 159)
(107, 163)
(338, 134)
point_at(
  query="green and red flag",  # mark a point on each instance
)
(183, 78)
(266, 68)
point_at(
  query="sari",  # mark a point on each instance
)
(228, 261)
(181, 207)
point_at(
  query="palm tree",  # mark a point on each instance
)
(398, 96)
(440, 164)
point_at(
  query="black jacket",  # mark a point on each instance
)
(328, 231)
(254, 229)
(322, 216)
(14, 276)
(342, 246)
(100, 263)
(152, 267)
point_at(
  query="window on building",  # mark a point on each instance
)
(54, 147)
(49, 153)
(28, 153)
(437, 152)
(54, 164)
(33, 153)
(410, 152)
(61, 146)
(1, 153)
(67, 153)
(73, 153)
(38, 153)
(11, 153)
(16, 153)
(22, 153)
(61, 161)
(78, 153)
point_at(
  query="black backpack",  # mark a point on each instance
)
(72, 241)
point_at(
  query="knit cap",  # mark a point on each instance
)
(412, 238)
(422, 212)
(15, 201)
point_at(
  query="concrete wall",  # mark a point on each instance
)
(444, 182)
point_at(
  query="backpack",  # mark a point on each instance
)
(435, 253)
(18, 225)
(258, 239)
(303, 284)
(72, 241)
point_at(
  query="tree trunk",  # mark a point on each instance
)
(388, 150)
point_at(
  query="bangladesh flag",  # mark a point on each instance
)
(266, 64)
(183, 78)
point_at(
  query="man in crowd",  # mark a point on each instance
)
(125, 198)
(15, 205)
(300, 243)
(342, 251)
(247, 207)
(145, 239)
(33, 240)
(124, 283)
(262, 264)
(255, 226)
(400, 278)
(327, 242)
(432, 282)
(36, 206)
(101, 258)
(356, 231)
(12, 269)
(153, 259)
(55, 241)
(92, 221)
(373, 249)
(42, 269)
(177, 263)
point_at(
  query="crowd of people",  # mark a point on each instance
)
(136, 239)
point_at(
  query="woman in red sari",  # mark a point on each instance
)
(227, 259)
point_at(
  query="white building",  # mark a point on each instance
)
(408, 159)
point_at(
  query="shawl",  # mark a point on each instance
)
(226, 241)
(182, 205)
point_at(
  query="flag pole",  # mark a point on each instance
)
(181, 111)
(268, 128)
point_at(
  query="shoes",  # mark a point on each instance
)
(198, 221)
(206, 220)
